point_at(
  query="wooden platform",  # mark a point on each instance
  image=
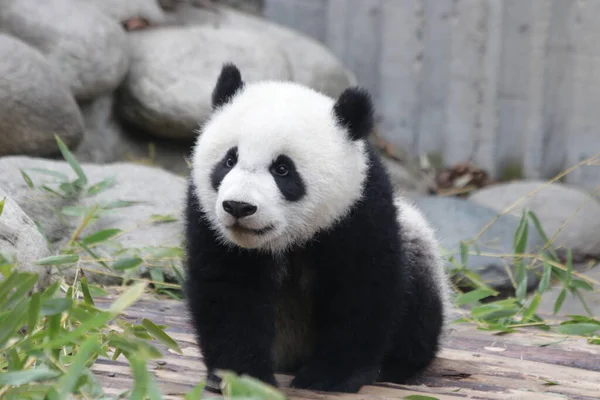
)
(473, 365)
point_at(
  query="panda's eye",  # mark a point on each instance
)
(230, 162)
(281, 170)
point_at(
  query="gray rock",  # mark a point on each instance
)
(311, 62)
(173, 72)
(89, 48)
(120, 10)
(109, 141)
(22, 242)
(554, 205)
(34, 103)
(459, 220)
(159, 193)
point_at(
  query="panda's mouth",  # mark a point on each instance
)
(236, 227)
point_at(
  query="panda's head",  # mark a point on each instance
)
(277, 161)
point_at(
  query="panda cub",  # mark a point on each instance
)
(300, 259)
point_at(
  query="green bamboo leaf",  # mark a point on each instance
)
(474, 295)
(579, 284)
(77, 367)
(74, 211)
(127, 263)
(520, 241)
(162, 218)
(51, 290)
(85, 289)
(70, 159)
(100, 236)
(17, 378)
(121, 204)
(545, 281)
(59, 175)
(131, 295)
(141, 378)
(195, 393)
(93, 323)
(569, 274)
(160, 335)
(2, 202)
(248, 387)
(55, 306)
(102, 186)
(22, 288)
(464, 253)
(542, 233)
(559, 300)
(58, 259)
(12, 321)
(582, 328)
(33, 315)
(14, 360)
(27, 179)
(535, 302)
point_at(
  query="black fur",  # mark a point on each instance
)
(354, 111)
(375, 315)
(228, 84)
(221, 169)
(291, 185)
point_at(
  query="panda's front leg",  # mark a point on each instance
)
(233, 317)
(354, 317)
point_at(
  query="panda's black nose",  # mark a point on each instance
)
(239, 209)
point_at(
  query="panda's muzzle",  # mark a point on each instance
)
(242, 229)
(239, 209)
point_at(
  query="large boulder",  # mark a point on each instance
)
(122, 10)
(173, 72)
(561, 208)
(457, 220)
(34, 104)
(21, 241)
(88, 47)
(312, 63)
(109, 141)
(138, 195)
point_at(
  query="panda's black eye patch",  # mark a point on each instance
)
(222, 168)
(287, 178)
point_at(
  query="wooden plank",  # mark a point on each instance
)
(472, 364)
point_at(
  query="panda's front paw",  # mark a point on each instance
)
(332, 379)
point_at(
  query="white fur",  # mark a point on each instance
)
(264, 120)
(416, 229)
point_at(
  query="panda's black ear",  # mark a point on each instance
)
(354, 111)
(228, 84)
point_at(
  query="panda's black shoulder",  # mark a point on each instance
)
(373, 219)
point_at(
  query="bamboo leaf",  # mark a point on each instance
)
(160, 335)
(559, 300)
(582, 328)
(17, 378)
(58, 260)
(70, 159)
(127, 263)
(545, 281)
(100, 236)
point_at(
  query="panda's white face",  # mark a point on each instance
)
(272, 167)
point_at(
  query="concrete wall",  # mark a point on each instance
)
(508, 84)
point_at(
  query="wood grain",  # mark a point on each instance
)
(472, 364)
